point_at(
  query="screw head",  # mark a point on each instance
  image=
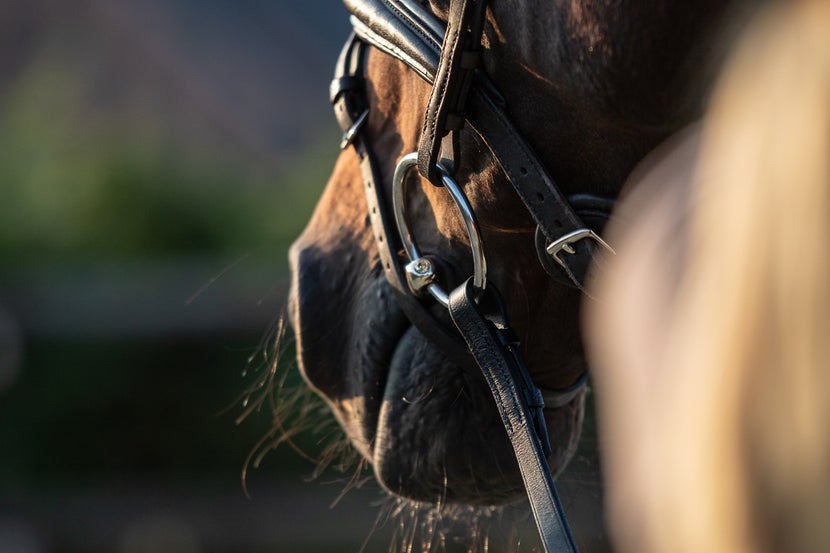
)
(420, 273)
(422, 266)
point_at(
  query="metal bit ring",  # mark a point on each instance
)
(419, 271)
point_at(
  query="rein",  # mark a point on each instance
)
(448, 56)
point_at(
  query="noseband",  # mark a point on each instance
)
(448, 56)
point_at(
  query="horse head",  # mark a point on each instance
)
(592, 86)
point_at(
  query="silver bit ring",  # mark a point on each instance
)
(420, 272)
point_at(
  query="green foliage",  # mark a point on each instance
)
(76, 183)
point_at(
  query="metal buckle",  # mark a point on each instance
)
(565, 243)
(420, 272)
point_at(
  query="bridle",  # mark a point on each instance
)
(448, 56)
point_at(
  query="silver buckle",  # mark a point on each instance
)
(565, 243)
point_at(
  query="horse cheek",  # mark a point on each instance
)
(326, 261)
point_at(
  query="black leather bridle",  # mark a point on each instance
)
(448, 55)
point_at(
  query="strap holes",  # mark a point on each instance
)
(558, 223)
(540, 196)
(374, 209)
(523, 170)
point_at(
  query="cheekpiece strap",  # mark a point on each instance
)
(460, 57)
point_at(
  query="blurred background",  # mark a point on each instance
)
(157, 158)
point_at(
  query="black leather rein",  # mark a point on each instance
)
(448, 57)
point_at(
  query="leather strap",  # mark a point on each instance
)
(460, 56)
(494, 346)
(409, 35)
(403, 29)
(348, 97)
(541, 196)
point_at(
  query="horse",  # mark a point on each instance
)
(590, 87)
(710, 352)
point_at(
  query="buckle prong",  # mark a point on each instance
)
(351, 132)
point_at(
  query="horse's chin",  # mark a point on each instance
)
(439, 437)
(428, 426)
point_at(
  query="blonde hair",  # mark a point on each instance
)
(752, 342)
(740, 434)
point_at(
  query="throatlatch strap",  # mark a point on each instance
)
(460, 56)
(519, 402)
